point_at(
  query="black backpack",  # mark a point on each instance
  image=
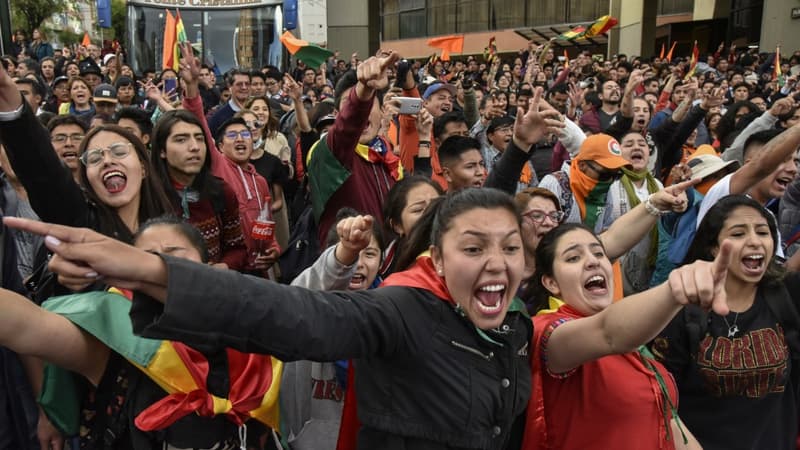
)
(303, 248)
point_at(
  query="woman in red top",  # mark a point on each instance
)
(594, 384)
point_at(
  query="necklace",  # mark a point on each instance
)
(732, 329)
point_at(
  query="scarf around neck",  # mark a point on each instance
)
(627, 181)
(589, 194)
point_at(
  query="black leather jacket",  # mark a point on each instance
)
(426, 378)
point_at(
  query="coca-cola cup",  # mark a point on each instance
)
(263, 233)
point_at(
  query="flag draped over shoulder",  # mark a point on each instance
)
(312, 55)
(597, 28)
(448, 44)
(168, 51)
(178, 369)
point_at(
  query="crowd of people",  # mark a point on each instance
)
(514, 251)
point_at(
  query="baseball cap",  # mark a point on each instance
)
(105, 93)
(325, 120)
(704, 165)
(60, 79)
(499, 122)
(108, 58)
(88, 66)
(436, 87)
(604, 150)
(123, 81)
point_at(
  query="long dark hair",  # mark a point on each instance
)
(153, 201)
(706, 240)
(209, 186)
(535, 292)
(397, 200)
(441, 212)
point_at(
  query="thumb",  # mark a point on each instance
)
(720, 274)
(367, 222)
(388, 61)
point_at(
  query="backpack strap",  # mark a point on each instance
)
(566, 191)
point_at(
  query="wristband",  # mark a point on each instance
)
(428, 143)
(651, 208)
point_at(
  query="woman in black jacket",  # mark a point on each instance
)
(441, 353)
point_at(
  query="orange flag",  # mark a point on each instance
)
(669, 55)
(168, 50)
(86, 41)
(448, 44)
(661, 55)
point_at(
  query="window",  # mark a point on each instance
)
(473, 16)
(545, 12)
(412, 24)
(508, 14)
(442, 16)
(227, 38)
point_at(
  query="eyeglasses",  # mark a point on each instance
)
(60, 138)
(602, 174)
(95, 156)
(244, 134)
(538, 216)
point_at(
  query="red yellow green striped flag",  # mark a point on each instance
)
(180, 38)
(598, 27)
(312, 55)
(693, 62)
(180, 370)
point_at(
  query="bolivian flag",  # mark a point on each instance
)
(312, 55)
(693, 62)
(597, 28)
(777, 74)
(177, 368)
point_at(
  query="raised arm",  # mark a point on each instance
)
(354, 110)
(295, 92)
(540, 120)
(35, 162)
(190, 73)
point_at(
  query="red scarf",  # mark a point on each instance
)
(420, 275)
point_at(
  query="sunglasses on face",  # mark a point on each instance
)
(604, 175)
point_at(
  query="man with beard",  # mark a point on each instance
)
(598, 120)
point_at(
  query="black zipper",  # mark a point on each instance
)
(474, 351)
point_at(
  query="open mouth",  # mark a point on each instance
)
(69, 156)
(783, 182)
(490, 298)
(596, 285)
(358, 282)
(114, 181)
(637, 156)
(754, 263)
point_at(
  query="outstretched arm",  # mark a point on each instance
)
(54, 338)
(625, 325)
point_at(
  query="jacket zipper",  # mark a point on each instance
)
(474, 351)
